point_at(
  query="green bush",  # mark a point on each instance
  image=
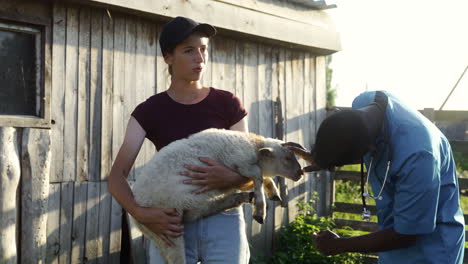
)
(295, 243)
(461, 160)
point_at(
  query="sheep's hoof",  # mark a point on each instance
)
(259, 219)
(276, 198)
(251, 196)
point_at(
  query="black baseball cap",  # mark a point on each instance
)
(178, 29)
(342, 138)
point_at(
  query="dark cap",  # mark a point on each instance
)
(178, 29)
(342, 138)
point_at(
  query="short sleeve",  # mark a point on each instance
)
(140, 114)
(416, 195)
(236, 110)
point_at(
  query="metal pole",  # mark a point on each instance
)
(446, 99)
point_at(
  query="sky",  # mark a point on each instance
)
(415, 49)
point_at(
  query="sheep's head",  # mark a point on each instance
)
(278, 160)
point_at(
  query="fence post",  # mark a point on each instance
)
(324, 182)
(9, 179)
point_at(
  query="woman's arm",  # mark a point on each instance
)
(163, 222)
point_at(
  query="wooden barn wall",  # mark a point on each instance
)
(103, 64)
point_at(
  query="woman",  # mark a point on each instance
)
(185, 108)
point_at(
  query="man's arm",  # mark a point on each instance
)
(328, 243)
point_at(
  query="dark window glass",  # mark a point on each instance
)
(19, 72)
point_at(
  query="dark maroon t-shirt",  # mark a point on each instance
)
(166, 120)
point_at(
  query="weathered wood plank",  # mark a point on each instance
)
(356, 225)
(95, 95)
(206, 79)
(48, 44)
(294, 87)
(66, 221)
(128, 91)
(323, 177)
(320, 89)
(302, 103)
(279, 96)
(10, 170)
(223, 63)
(58, 91)
(144, 73)
(35, 169)
(118, 124)
(106, 146)
(71, 89)
(53, 224)
(105, 203)
(79, 223)
(265, 128)
(310, 122)
(115, 232)
(83, 95)
(162, 72)
(92, 222)
(249, 52)
(151, 46)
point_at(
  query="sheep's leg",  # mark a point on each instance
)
(271, 190)
(255, 173)
(225, 203)
(259, 213)
(175, 254)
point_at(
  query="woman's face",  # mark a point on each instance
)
(189, 58)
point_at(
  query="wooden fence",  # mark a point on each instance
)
(444, 120)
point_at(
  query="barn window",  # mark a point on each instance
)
(21, 74)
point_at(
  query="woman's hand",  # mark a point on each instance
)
(326, 242)
(165, 223)
(212, 176)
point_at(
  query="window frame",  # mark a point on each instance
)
(43, 120)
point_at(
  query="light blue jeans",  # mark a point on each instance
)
(218, 239)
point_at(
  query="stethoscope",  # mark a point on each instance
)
(381, 100)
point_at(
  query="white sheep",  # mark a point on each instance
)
(160, 183)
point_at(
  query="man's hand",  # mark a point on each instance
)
(326, 242)
(213, 176)
(165, 223)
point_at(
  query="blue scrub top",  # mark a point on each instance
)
(421, 195)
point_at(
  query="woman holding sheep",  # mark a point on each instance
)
(193, 107)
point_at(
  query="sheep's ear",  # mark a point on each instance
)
(266, 152)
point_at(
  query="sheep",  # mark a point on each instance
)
(250, 155)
